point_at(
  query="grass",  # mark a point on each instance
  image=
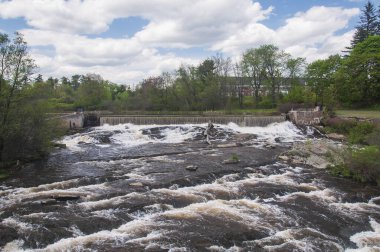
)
(375, 114)
(3, 175)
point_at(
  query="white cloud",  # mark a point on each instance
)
(310, 34)
(314, 26)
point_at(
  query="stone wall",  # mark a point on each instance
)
(305, 117)
(72, 121)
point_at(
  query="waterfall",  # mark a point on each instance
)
(165, 120)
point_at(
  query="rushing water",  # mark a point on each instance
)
(126, 188)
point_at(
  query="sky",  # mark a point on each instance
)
(126, 41)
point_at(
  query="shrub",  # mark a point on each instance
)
(365, 164)
(360, 164)
(339, 125)
(374, 137)
(359, 133)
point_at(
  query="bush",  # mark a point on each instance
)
(365, 164)
(339, 125)
(359, 133)
(361, 164)
(374, 137)
(266, 102)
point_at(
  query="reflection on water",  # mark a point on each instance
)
(125, 188)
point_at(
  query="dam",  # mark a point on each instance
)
(249, 121)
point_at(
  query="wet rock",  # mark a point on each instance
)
(316, 153)
(136, 184)
(284, 158)
(191, 168)
(335, 136)
(228, 145)
(245, 137)
(65, 197)
(59, 145)
(277, 140)
(103, 138)
(269, 146)
(231, 161)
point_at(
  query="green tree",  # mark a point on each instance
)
(359, 77)
(274, 64)
(320, 76)
(254, 69)
(368, 25)
(93, 93)
(24, 130)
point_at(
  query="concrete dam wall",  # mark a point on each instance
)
(240, 120)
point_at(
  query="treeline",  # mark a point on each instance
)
(265, 77)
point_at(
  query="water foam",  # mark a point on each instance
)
(367, 240)
(130, 135)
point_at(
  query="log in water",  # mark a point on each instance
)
(128, 189)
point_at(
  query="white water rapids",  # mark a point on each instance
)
(125, 188)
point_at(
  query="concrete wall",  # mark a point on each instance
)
(240, 120)
(71, 121)
(306, 117)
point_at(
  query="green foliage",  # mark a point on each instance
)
(3, 174)
(266, 103)
(360, 164)
(321, 78)
(359, 133)
(25, 131)
(339, 125)
(93, 93)
(358, 80)
(373, 138)
(235, 157)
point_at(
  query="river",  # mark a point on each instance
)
(126, 188)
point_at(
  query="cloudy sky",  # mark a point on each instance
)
(127, 40)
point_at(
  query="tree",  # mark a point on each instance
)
(360, 74)
(24, 130)
(238, 84)
(295, 69)
(320, 75)
(274, 65)
(93, 92)
(368, 25)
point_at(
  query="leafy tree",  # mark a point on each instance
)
(24, 130)
(273, 62)
(295, 69)
(320, 76)
(254, 68)
(359, 77)
(93, 92)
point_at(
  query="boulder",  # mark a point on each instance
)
(65, 197)
(318, 153)
(335, 136)
(231, 161)
(191, 167)
(284, 158)
(136, 184)
(229, 145)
